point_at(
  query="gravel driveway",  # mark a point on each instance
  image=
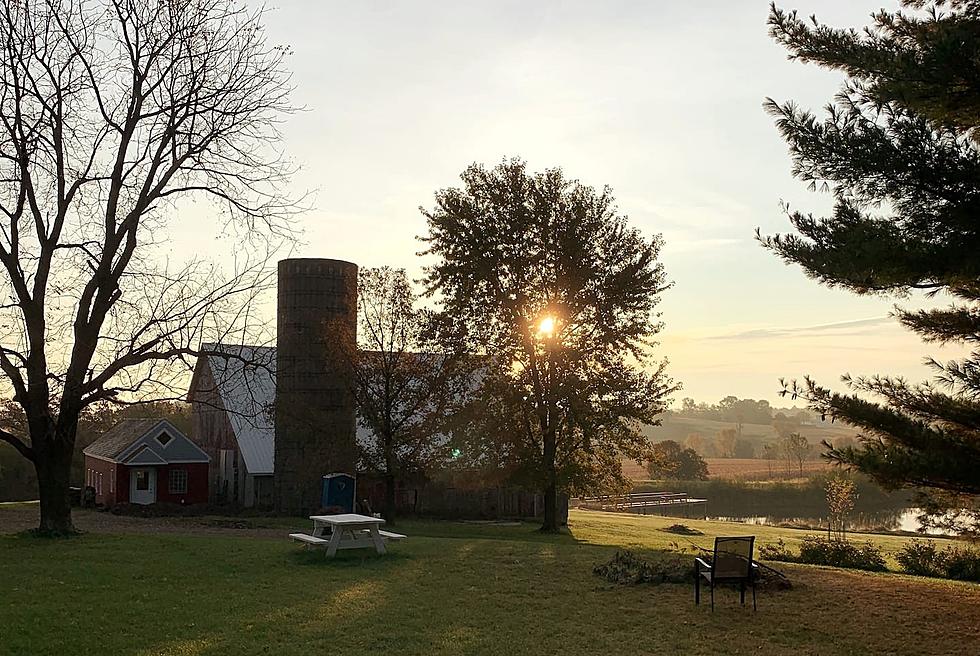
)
(17, 517)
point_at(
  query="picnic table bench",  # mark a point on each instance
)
(347, 531)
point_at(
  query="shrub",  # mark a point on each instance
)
(924, 559)
(626, 568)
(777, 551)
(816, 550)
(921, 558)
(963, 564)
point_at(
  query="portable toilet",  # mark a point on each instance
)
(338, 493)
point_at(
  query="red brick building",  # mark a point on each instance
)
(146, 461)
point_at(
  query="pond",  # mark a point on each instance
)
(903, 519)
(794, 504)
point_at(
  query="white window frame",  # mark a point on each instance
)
(185, 480)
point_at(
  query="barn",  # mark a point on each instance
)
(275, 419)
(146, 461)
(232, 391)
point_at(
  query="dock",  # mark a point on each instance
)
(668, 504)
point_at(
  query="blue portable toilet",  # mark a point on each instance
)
(338, 493)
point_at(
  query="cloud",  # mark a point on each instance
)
(835, 329)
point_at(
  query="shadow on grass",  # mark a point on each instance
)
(348, 558)
(462, 530)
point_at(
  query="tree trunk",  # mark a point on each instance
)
(550, 524)
(53, 467)
(389, 509)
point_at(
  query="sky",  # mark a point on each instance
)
(662, 101)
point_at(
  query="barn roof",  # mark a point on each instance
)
(145, 441)
(245, 380)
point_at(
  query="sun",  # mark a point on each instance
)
(547, 326)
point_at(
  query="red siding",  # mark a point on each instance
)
(122, 484)
(101, 474)
(115, 482)
(210, 426)
(197, 483)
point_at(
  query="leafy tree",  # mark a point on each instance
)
(669, 460)
(784, 425)
(542, 275)
(898, 150)
(730, 409)
(110, 113)
(725, 442)
(743, 449)
(694, 441)
(405, 386)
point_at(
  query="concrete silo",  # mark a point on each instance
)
(315, 417)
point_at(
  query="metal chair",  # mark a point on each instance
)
(732, 563)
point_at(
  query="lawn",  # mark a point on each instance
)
(449, 589)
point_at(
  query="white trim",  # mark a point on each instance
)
(158, 462)
(148, 496)
(169, 462)
(102, 458)
(170, 481)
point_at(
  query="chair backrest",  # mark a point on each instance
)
(733, 557)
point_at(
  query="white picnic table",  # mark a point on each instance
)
(346, 531)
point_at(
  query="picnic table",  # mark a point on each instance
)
(347, 531)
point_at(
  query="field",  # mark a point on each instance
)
(758, 469)
(678, 428)
(737, 469)
(451, 588)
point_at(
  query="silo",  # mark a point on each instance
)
(315, 419)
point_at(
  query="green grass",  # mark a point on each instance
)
(448, 589)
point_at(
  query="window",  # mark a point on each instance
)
(178, 481)
(142, 480)
(163, 439)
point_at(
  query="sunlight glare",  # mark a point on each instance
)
(547, 326)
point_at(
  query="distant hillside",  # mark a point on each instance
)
(678, 428)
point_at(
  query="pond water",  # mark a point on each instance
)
(904, 519)
(788, 504)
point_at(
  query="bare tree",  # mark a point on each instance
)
(405, 384)
(770, 452)
(112, 111)
(797, 449)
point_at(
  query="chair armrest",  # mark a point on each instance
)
(701, 564)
